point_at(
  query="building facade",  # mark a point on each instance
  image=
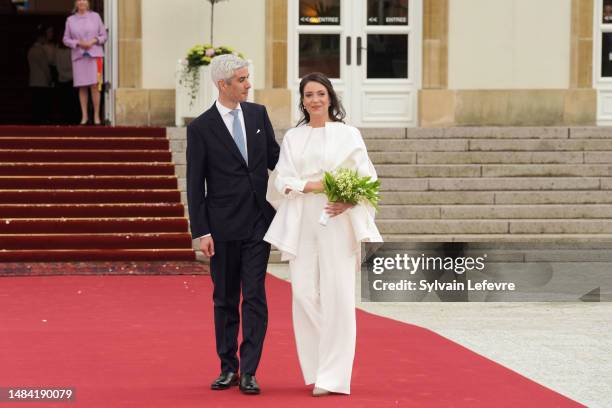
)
(396, 63)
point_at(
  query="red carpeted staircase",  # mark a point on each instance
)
(89, 194)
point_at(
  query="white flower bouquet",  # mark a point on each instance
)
(345, 185)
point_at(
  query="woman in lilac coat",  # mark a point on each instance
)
(85, 33)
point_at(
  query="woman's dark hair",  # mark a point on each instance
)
(336, 111)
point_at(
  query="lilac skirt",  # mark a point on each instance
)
(85, 72)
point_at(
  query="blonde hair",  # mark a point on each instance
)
(75, 8)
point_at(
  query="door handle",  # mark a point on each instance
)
(348, 50)
(359, 48)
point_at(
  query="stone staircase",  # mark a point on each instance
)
(480, 184)
(523, 184)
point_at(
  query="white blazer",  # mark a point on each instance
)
(344, 148)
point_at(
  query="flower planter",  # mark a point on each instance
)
(205, 93)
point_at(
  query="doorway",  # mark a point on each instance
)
(371, 51)
(20, 23)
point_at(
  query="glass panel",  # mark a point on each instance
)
(387, 56)
(387, 12)
(606, 55)
(319, 12)
(320, 53)
(607, 12)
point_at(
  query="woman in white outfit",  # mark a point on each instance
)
(322, 259)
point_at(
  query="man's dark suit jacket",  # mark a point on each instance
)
(234, 194)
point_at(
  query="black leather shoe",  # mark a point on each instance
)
(248, 385)
(224, 381)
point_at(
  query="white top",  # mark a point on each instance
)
(228, 119)
(309, 163)
(306, 153)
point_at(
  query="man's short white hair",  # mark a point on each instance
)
(224, 66)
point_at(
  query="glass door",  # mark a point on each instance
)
(316, 43)
(384, 70)
(369, 49)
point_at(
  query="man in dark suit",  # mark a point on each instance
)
(230, 148)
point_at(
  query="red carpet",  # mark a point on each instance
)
(86, 169)
(147, 341)
(81, 131)
(90, 194)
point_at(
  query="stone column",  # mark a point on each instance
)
(275, 95)
(581, 98)
(436, 101)
(134, 105)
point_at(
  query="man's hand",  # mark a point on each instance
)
(207, 246)
(334, 209)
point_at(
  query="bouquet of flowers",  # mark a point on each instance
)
(345, 185)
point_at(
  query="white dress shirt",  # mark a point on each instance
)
(228, 119)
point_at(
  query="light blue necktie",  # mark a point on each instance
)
(238, 134)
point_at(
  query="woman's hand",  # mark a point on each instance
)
(313, 187)
(334, 209)
(85, 44)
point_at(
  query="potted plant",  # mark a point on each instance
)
(194, 90)
(197, 57)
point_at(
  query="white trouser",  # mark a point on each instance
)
(323, 285)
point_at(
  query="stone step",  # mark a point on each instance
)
(484, 184)
(417, 145)
(553, 157)
(479, 226)
(602, 148)
(500, 145)
(505, 132)
(489, 197)
(491, 183)
(393, 158)
(542, 211)
(383, 133)
(498, 238)
(592, 132)
(499, 158)
(539, 145)
(424, 170)
(438, 197)
(179, 157)
(443, 226)
(554, 197)
(497, 197)
(490, 170)
(546, 170)
(404, 184)
(178, 145)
